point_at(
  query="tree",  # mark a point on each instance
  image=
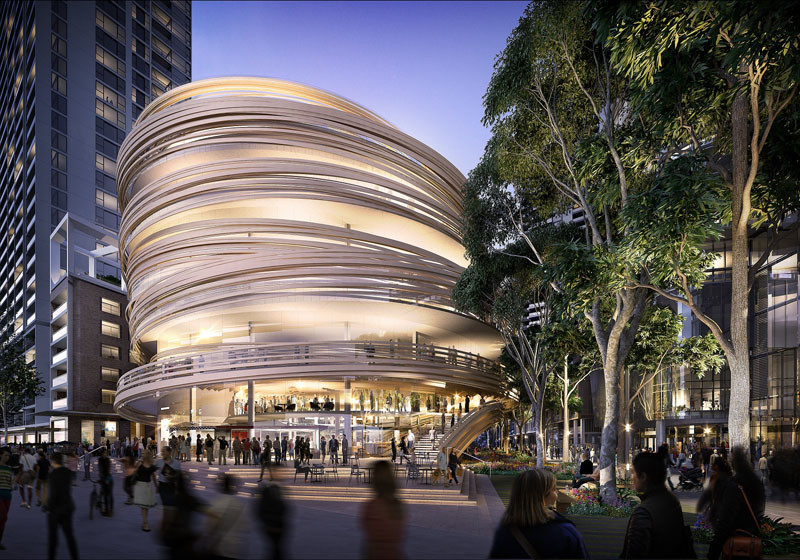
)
(561, 137)
(18, 380)
(500, 283)
(716, 81)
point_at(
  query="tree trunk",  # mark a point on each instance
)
(609, 435)
(565, 443)
(537, 426)
(5, 425)
(739, 362)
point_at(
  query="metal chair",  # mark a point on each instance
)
(412, 472)
(355, 471)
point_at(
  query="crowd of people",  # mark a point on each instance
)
(733, 498)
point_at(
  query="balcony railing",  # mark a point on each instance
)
(60, 357)
(60, 403)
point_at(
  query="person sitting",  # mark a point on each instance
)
(593, 477)
(656, 528)
(584, 471)
(530, 528)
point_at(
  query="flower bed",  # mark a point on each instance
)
(778, 538)
(588, 502)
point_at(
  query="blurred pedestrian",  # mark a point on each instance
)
(42, 473)
(741, 502)
(178, 525)
(530, 528)
(6, 481)
(106, 482)
(168, 470)
(223, 450)
(237, 451)
(27, 464)
(383, 518)
(272, 511)
(226, 529)
(60, 508)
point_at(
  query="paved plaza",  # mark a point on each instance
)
(323, 519)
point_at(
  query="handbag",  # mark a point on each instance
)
(460, 471)
(523, 542)
(744, 544)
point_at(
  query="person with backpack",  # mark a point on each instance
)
(656, 528)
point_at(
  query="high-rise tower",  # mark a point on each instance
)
(75, 75)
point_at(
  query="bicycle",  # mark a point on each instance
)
(95, 500)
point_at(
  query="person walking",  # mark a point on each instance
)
(129, 468)
(443, 421)
(741, 502)
(27, 464)
(441, 462)
(144, 487)
(530, 528)
(466, 404)
(394, 449)
(42, 472)
(226, 529)
(6, 482)
(383, 518)
(656, 528)
(237, 450)
(763, 471)
(276, 446)
(273, 511)
(106, 482)
(322, 449)
(290, 448)
(345, 449)
(223, 451)
(60, 508)
(403, 448)
(284, 447)
(178, 527)
(452, 420)
(167, 470)
(265, 461)
(452, 463)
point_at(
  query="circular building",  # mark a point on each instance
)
(290, 258)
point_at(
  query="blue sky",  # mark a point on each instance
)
(423, 66)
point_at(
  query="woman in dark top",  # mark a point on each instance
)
(452, 464)
(178, 531)
(732, 506)
(144, 487)
(394, 450)
(529, 528)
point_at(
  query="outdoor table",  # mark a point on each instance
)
(426, 473)
(317, 473)
(367, 473)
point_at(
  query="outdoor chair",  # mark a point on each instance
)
(355, 471)
(333, 471)
(301, 469)
(412, 472)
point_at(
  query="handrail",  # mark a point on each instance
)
(479, 460)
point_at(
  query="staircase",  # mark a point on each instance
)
(471, 426)
(426, 447)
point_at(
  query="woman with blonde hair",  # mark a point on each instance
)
(530, 528)
(144, 486)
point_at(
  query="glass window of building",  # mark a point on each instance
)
(87, 431)
(108, 396)
(110, 374)
(110, 351)
(110, 306)
(110, 329)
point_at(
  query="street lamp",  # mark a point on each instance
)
(627, 427)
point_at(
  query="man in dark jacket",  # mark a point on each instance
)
(60, 508)
(656, 528)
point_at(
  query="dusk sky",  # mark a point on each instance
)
(423, 66)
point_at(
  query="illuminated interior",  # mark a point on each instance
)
(282, 241)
